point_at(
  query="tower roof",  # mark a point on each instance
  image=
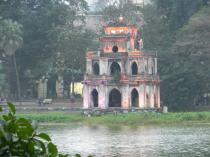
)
(116, 24)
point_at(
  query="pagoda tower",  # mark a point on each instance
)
(121, 74)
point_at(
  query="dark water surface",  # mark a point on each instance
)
(124, 141)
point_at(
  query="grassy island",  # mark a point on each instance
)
(120, 119)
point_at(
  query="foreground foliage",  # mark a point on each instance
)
(19, 137)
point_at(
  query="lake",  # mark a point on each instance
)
(124, 141)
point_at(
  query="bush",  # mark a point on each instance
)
(19, 137)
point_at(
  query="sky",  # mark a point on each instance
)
(91, 3)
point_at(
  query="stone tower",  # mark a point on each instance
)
(121, 74)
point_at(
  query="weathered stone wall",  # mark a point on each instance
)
(145, 66)
(103, 95)
(148, 92)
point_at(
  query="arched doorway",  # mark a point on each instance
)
(134, 98)
(147, 101)
(114, 98)
(155, 101)
(134, 68)
(96, 69)
(153, 70)
(115, 68)
(94, 95)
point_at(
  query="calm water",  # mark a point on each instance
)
(143, 141)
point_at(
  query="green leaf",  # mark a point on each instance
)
(24, 128)
(11, 107)
(52, 149)
(44, 136)
(12, 127)
(77, 155)
(31, 147)
(0, 109)
(23, 121)
(6, 118)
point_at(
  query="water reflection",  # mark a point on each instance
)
(123, 141)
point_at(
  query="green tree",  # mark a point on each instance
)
(10, 41)
(128, 11)
(164, 19)
(19, 137)
(189, 78)
(3, 82)
(42, 21)
(73, 44)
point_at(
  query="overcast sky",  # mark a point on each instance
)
(91, 3)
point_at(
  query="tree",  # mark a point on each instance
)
(191, 62)
(10, 41)
(3, 83)
(42, 22)
(72, 44)
(164, 19)
(19, 137)
(128, 11)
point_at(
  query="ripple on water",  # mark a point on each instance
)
(187, 141)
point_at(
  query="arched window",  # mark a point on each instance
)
(147, 101)
(155, 101)
(134, 68)
(115, 49)
(134, 98)
(114, 98)
(94, 95)
(153, 70)
(115, 68)
(145, 68)
(96, 69)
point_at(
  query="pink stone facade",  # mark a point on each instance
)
(121, 74)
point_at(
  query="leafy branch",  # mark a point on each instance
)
(19, 137)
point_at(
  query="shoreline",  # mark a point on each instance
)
(132, 118)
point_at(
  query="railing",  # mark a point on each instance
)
(115, 55)
(98, 77)
(97, 54)
(123, 78)
(121, 35)
(141, 77)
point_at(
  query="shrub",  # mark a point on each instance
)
(19, 137)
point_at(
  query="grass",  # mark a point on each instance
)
(120, 119)
(57, 117)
